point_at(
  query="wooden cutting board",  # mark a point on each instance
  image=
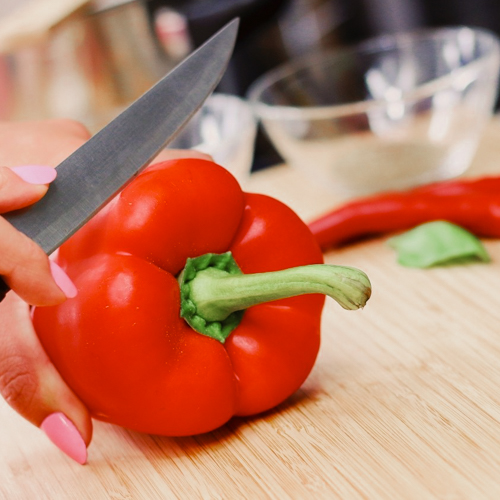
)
(404, 402)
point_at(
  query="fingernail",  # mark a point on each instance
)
(63, 281)
(63, 433)
(35, 174)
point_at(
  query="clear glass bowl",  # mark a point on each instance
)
(225, 128)
(390, 113)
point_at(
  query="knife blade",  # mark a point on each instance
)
(100, 168)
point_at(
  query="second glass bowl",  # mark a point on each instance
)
(390, 113)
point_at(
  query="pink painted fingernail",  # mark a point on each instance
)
(35, 174)
(63, 281)
(63, 433)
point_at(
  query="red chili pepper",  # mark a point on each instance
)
(473, 204)
(122, 345)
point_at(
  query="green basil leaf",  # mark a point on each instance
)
(437, 243)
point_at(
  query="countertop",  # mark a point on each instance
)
(403, 403)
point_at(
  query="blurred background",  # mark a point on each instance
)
(103, 54)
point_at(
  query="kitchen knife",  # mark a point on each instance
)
(99, 169)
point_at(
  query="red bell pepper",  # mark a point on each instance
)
(124, 348)
(473, 204)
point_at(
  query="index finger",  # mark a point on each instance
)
(25, 268)
(18, 190)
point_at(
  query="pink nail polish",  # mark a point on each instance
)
(63, 281)
(35, 174)
(63, 433)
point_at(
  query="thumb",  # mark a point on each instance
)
(32, 386)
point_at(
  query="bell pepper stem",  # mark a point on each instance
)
(216, 293)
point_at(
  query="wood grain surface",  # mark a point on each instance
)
(404, 401)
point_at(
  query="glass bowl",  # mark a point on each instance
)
(392, 112)
(225, 128)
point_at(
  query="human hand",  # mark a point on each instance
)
(28, 380)
(31, 148)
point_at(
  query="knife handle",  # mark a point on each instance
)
(4, 288)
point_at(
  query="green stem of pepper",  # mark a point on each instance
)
(214, 292)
